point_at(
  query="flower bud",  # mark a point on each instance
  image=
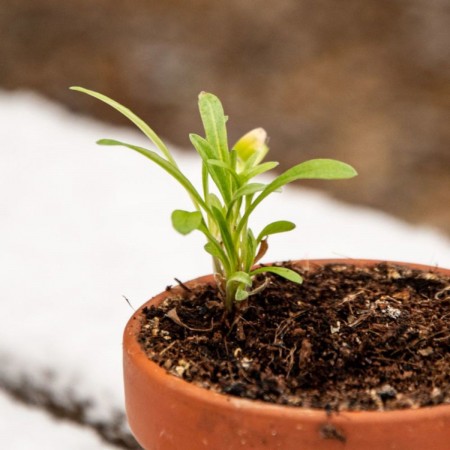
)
(252, 148)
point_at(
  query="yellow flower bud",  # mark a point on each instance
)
(252, 147)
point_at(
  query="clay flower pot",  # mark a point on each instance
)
(168, 413)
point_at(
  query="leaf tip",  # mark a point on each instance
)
(350, 170)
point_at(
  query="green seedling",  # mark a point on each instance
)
(228, 195)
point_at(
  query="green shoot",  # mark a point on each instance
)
(228, 195)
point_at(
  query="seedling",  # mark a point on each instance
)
(228, 195)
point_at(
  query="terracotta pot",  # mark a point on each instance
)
(167, 413)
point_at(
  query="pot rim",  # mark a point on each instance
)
(216, 400)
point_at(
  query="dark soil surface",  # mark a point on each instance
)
(348, 338)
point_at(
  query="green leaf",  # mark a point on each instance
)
(220, 163)
(281, 271)
(213, 200)
(257, 170)
(314, 169)
(206, 152)
(130, 116)
(249, 189)
(205, 181)
(241, 294)
(279, 226)
(320, 169)
(241, 277)
(250, 249)
(185, 222)
(225, 166)
(213, 250)
(223, 226)
(233, 160)
(202, 146)
(214, 120)
(214, 123)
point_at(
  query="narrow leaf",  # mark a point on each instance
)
(259, 169)
(214, 121)
(220, 163)
(324, 169)
(249, 249)
(213, 250)
(249, 189)
(279, 226)
(225, 166)
(281, 271)
(316, 169)
(203, 147)
(223, 226)
(206, 152)
(130, 116)
(213, 200)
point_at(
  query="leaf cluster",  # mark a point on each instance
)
(223, 205)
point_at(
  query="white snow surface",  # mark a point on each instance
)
(83, 225)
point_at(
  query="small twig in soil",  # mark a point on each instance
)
(164, 350)
(183, 285)
(128, 301)
(172, 315)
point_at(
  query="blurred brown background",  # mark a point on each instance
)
(363, 81)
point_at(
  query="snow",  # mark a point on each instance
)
(82, 225)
